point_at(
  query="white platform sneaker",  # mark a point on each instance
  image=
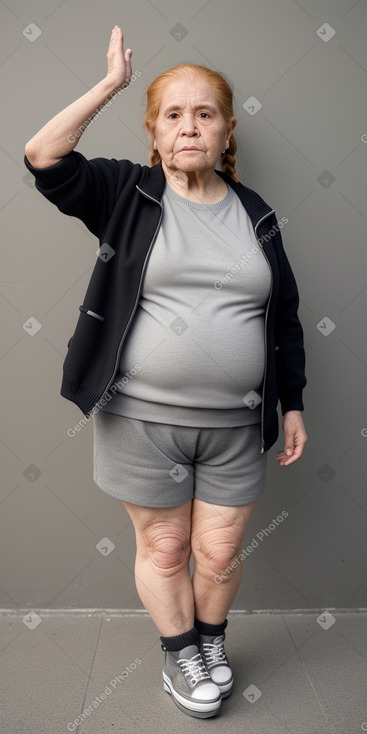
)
(186, 678)
(216, 661)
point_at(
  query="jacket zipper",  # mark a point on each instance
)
(138, 293)
(265, 325)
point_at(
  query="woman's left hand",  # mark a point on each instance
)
(295, 437)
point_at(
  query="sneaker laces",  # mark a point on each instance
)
(214, 653)
(193, 669)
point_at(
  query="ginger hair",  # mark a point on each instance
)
(224, 97)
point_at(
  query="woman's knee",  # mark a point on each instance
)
(163, 536)
(214, 555)
(217, 536)
(166, 545)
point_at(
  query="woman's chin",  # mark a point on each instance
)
(195, 164)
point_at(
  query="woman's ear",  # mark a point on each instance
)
(232, 125)
(152, 138)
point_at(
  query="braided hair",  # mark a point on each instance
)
(228, 160)
(224, 95)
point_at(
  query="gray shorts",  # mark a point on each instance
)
(164, 465)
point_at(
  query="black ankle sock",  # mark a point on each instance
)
(178, 642)
(204, 628)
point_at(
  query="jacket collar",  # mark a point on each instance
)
(153, 182)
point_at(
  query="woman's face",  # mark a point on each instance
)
(189, 117)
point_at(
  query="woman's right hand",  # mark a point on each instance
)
(119, 62)
(59, 136)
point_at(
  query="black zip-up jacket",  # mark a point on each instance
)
(120, 203)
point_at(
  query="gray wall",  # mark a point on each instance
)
(305, 152)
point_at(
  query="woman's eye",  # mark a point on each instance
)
(173, 114)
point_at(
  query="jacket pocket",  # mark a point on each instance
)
(86, 342)
(95, 315)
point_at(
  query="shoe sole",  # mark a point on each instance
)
(202, 713)
(225, 689)
(225, 694)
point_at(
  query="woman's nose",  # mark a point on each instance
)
(188, 124)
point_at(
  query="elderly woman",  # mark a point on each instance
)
(187, 338)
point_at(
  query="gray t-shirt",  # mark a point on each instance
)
(198, 332)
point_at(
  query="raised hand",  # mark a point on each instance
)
(119, 62)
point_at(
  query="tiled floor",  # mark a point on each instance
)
(310, 676)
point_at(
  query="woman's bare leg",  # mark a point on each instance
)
(162, 573)
(216, 540)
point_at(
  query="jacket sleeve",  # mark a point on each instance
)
(290, 353)
(82, 188)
